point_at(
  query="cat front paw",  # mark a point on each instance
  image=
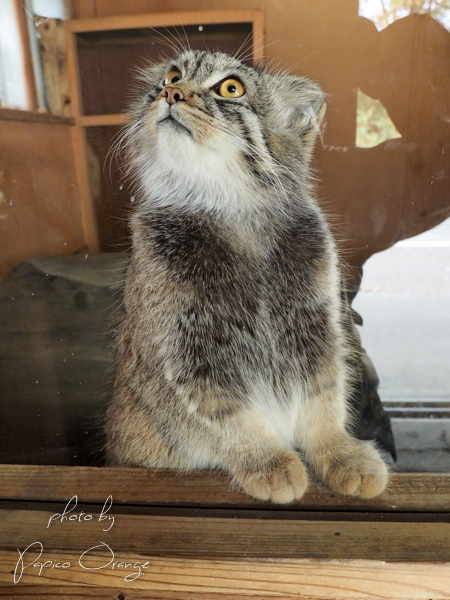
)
(281, 479)
(359, 472)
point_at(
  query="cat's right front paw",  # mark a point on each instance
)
(360, 472)
(281, 480)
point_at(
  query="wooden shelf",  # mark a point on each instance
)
(103, 120)
(422, 492)
(25, 116)
(97, 51)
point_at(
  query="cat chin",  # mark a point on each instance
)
(171, 125)
(193, 162)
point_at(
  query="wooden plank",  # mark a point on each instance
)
(170, 579)
(83, 9)
(53, 54)
(104, 8)
(194, 17)
(285, 536)
(10, 114)
(39, 211)
(258, 37)
(103, 120)
(88, 216)
(406, 491)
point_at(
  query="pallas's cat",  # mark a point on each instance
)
(231, 352)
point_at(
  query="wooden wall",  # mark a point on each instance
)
(39, 207)
(379, 195)
(376, 196)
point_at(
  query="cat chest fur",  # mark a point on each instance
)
(241, 316)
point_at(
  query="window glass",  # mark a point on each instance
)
(385, 12)
(383, 176)
(13, 92)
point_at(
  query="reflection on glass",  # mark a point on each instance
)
(385, 12)
(13, 92)
(404, 301)
(56, 314)
(373, 123)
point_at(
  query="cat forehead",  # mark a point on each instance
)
(204, 65)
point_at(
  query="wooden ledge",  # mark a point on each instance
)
(118, 119)
(160, 19)
(24, 116)
(190, 579)
(423, 492)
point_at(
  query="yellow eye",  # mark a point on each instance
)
(172, 77)
(231, 88)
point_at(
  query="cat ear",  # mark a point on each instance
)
(301, 109)
(306, 116)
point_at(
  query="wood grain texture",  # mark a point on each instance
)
(24, 116)
(405, 66)
(183, 579)
(39, 208)
(406, 491)
(278, 535)
(53, 54)
(258, 37)
(163, 19)
(84, 9)
(104, 120)
(88, 217)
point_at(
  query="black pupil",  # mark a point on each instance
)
(175, 79)
(231, 89)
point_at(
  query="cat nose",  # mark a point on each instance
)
(172, 95)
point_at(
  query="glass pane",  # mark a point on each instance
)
(13, 92)
(404, 300)
(382, 165)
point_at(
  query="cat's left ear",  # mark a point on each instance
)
(301, 107)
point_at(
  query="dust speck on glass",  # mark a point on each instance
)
(382, 164)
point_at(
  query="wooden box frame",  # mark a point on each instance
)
(222, 535)
(82, 121)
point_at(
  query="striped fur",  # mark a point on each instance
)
(231, 353)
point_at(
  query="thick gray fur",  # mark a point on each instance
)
(232, 353)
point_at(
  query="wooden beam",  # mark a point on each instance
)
(406, 492)
(258, 37)
(191, 579)
(169, 19)
(86, 200)
(83, 9)
(104, 120)
(238, 534)
(54, 61)
(24, 116)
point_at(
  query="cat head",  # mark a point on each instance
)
(206, 122)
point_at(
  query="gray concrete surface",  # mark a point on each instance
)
(405, 305)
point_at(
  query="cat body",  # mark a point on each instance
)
(232, 353)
